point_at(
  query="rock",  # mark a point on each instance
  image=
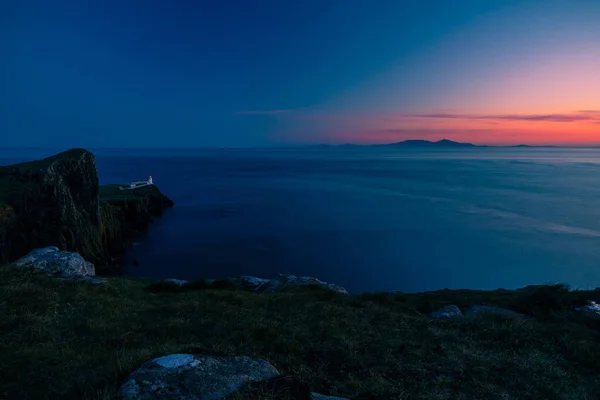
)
(254, 284)
(317, 396)
(57, 263)
(284, 281)
(591, 310)
(496, 310)
(178, 282)
(446, 312)
(194, 377)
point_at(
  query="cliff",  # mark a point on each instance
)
(58, 201)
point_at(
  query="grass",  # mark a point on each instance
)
(71, 340)
(112, 193)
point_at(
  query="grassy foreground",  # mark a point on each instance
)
(71, 340)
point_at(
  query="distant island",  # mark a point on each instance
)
(427, 143)
(444, 143)
(416, 143)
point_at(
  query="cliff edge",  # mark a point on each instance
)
(58, 202)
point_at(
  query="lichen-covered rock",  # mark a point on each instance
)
(284, 281)
(496, 310)
(57, 263)
(177, 282)
(253, 283)
(446, 312)
(295, 281)
(194, 377)
(592, 310)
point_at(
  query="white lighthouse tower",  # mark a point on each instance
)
(150, 180)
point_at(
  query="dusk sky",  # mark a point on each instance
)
(252, 73)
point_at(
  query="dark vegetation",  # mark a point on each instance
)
(72, 340)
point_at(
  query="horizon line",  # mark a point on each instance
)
(286, 145)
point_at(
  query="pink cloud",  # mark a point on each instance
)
(313, 125)
(588, 115)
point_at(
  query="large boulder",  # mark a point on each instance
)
(54, 262)
(194, 377)
(284, 281)
(446, 312)
(176, 282)
(198, 377)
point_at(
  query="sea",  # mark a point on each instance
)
(368, 219)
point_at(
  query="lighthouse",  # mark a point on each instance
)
(150, 180)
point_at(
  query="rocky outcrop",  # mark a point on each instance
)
(56, 202)
(57, 263)
(592, 310)
(200, 377)
(194, 377)
(446, 312)
(176, 282)
(125, 214)
(284, 281)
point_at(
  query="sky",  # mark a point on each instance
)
(153, 73)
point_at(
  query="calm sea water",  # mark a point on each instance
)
(369, 220)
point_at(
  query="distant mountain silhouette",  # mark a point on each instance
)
(416, 143)
(444, 143)
(427, 143)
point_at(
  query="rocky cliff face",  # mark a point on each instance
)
(56, 202)
(126, 214)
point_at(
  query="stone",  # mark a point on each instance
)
(253, 283)
(294, 281)
(54, 262)
(177, 282)
(174, 360)
(194, 377)
(284, 281)
(496, 310)
(446, 312)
